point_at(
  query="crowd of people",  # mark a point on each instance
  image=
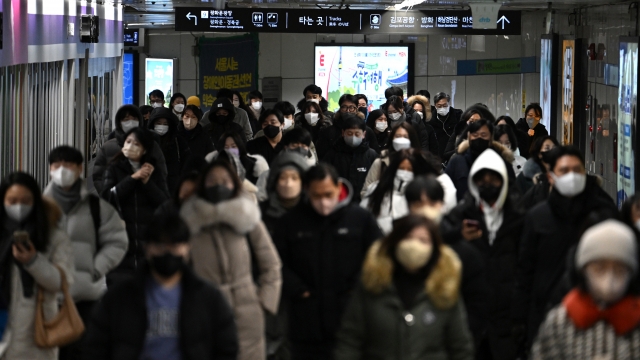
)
(413, 231)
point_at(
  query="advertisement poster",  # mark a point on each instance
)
(159, 75)
(367, 70)
(127, 78)
(568, 52)
(627, 102)
(230, 63)
(546, 58)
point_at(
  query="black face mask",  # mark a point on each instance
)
(218, 193)
(167, 265)
(489, 193)
(271, 131)
(222, 119)
(478, 146)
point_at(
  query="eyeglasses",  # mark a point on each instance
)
(348, 108)
(438, 106)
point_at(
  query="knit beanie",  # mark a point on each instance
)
(193, 100)
(609, 240)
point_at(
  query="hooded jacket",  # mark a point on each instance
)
(218, 126)
(199, 141)
(93, 258)
(459, 166)
(174, 148)
(488, 296)
(119, 324)
(240, 118)
(112, 148)
(224, 237)
(18, 341)
(375, 325)
(552, 228)
(328, 136)
(425, 103)
(351, 163)
(322, 255)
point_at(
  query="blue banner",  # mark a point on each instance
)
(230, 63)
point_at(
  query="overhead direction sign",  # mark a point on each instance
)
(411, 22)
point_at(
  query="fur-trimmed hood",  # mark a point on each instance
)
(425, 103)
(442, 285)
(241, 214)
(506, 154)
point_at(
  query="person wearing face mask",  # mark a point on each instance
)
(238, 115)
(255, 165)
(226, 234)
(377, 120)
(175, 148)
(192, 133)
(535, 169)
(97, 233)
(223, 112)
(444, 121)
(255, 101)
(268, 146)
(165, 311)
(351, 154)
(177, 104)
(600, 317)
(489, 220)
(421, 106)
(135, 188)
(312, 118)
(479, 139)
(288, 111)
(521, 137)
(127, 118)
(322, 242)
(408, 300)
(385, 198)
(396, 114)
(552, 228)
(472, 114)
(328, 136)
(32, 249)
(505, 136)
(531, 124)
(156, 99)
(313, 93)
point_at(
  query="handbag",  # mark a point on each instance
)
(66, 327)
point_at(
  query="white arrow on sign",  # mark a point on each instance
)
(189, 16)
(503, 19)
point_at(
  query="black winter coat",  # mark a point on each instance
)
(313, 130)
(454, 140)
(552, 228)
(489, 317)
(352, 164)
(328, 136)
(444, 127)
(426, 133)
(261, 146)
(216, 129)
(540, 131)
(321, 255)
(119, 324)
(174, 148)
(136, 202)
(537, 194)
(199, 142)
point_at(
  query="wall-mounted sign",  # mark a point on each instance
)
(497, 66)
(343, 22)
(627, 111)
(548, 82)
(568, 55)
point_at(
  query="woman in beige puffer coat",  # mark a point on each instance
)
(226, 234)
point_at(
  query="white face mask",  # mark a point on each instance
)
(236, 103)
(312, 118)
(161, 129)
(132, 152)
(287, 123)
(413, 254)
(156, 104)
(443, 111)
(569, 185)
(607, 288)
(420, 114)
(178, 108)
(129, 124)
(18, 212)
(257, 105)
(401, 143)
(402, 179)
(324, 206)
(317, 101)
(395, 116)
(63, 177)
(381, 126)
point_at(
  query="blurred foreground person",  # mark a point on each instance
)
(164, 312)
(408, 305)
(600, 317)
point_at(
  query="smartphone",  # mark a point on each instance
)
(473, 223)
(22, 238)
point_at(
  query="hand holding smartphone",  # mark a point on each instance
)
(471, 229)
(21, 238)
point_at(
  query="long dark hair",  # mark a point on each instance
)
(145, 138)
(419, 163)
(401, 229)
(413, 135)
(236, 138)
(311, 104)
(237, 185)
(38, 216)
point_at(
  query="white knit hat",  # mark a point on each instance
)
(611, 240)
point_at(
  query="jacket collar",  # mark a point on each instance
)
(442, 285)
(624, 316)
(240, 213)
(506, 154)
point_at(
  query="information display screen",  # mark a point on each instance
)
(131, 37)
(368, 70)
(343, 21)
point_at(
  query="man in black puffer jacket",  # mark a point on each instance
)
(164, 124)
(165, 311)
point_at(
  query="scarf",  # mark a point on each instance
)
(67, 199)
(624, 316)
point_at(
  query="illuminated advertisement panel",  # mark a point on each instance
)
(568, 55)
(627, 102)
